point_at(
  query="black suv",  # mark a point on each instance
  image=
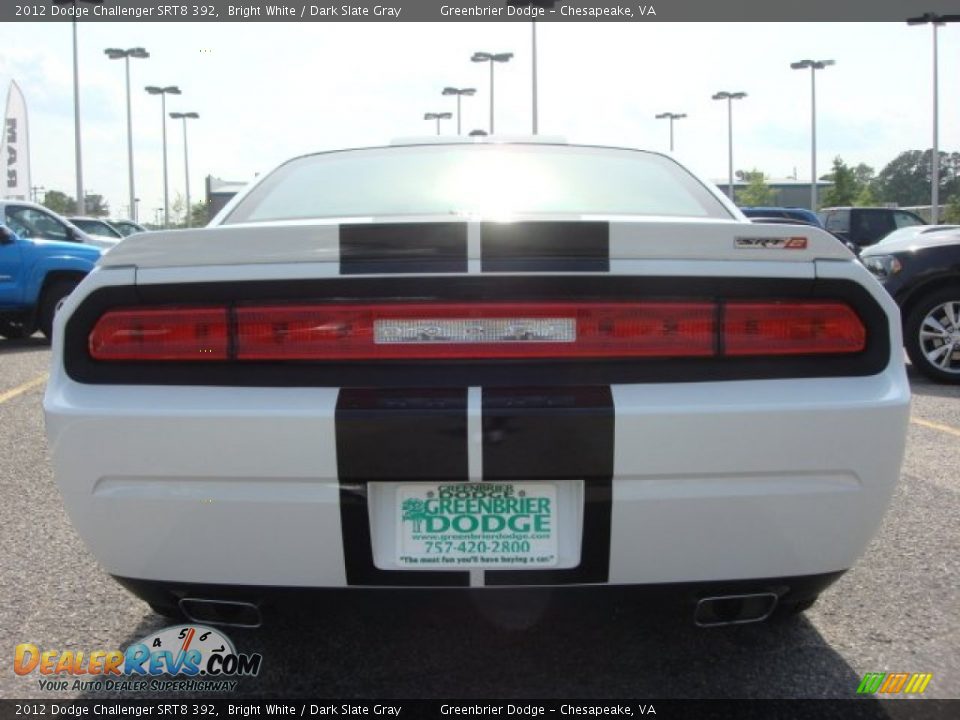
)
(922, 273)
(865, 226)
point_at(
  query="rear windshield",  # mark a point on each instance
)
(487, 180)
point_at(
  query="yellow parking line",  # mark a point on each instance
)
(936, 426)
(21, 389)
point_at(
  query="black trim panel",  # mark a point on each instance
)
(489, 373)
(397, 248)
(555, 434)
(545, 247)
(790, 589)
(390, 435)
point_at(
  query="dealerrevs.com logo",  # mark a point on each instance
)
(196, 657)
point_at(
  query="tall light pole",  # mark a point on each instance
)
(78, 155)
(814, 65)
(459, 92)
(438, 117)
(542, 5)
(935, 21)
(163, 92)
(491, 58)
(730, 97)
(116, 54)
(186, 159)
(671, 117)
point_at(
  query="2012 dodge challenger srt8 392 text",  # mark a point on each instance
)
(478, 364)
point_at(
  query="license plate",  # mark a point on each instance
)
(482, 525)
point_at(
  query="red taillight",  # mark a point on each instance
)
(475, 330)
(791, 328)
(525, 330)
(168, 334)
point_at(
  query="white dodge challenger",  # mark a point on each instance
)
(478, 364)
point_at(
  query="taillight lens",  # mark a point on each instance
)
(168, 334)
(525, 330)
(791, 328)
(475, 330)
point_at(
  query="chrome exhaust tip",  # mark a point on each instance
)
(228, 613)
(734, 609)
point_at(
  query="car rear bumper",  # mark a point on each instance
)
(684, 482)
(790, 592)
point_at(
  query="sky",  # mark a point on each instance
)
(268, 92)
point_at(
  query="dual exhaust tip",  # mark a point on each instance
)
(709, 612)
(734, 609)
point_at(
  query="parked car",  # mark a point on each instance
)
(794, 221)
(475, 365)
(922, 273)
(98, 228)
(127, 227)
(35, 275)
(789, 213)
(31, 221)
(916, 231)
(864, 226)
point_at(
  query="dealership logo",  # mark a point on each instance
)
(476, 507)
(894, 683)
(198, 656)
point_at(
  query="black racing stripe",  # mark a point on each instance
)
(395, 435)
(555, 434)
(397, 248)
(545, 247)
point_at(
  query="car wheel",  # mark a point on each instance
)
(932, 335)
(13, 330)
(50, 301)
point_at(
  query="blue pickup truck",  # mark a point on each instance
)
(35, 275)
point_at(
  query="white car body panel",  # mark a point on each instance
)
(748, 479)
(318, 241)
(243, 484)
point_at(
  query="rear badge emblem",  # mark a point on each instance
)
(770, 243)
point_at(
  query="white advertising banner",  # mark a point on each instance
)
(15, 154)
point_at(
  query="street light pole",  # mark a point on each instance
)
(162, 92)
(533, 45)
(491, 58)
(77, 151)
(78, 154)
(671, 117)
(186, 158)
(541, 6)
(935, 21)
(814, 65)
(459, 92)
(730, 97)
(116, 54)
(438, 117)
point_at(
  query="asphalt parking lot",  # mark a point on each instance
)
(898, 610)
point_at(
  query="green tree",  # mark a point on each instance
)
(845, 186)
(757, 192)
(951, 215)
(96, 205)
(906, 179)
(198, 215)
(177, 211)
(59, 202)
(866, 198)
